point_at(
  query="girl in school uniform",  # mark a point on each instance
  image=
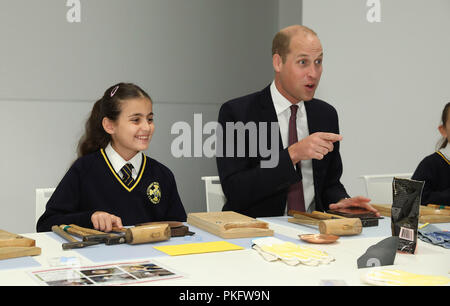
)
(113, 183)
(435, 168)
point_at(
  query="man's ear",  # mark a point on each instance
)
(108, 125)
(442, 131)
(277, 62)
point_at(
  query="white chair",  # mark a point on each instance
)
(42, 197)
(379, 186)
(215, 199)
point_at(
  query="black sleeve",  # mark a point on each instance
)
(63, 206)
(426, 171)
(333, 190)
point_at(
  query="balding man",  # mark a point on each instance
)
(307, 174)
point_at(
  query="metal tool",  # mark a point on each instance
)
(73, 243)
(93, 235)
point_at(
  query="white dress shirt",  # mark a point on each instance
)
(117, 162)
(283, 111)
(446, 151)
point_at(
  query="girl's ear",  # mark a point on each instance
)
(442, 131)
(108, 125)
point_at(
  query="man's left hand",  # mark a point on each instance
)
(359, 201)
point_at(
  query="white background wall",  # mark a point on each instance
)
(388, 81)
(189, 55)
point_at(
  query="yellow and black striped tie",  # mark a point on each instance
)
(127, 178)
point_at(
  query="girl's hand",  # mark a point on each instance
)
(104, 221)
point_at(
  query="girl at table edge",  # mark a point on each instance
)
(94, 192)
(435, 168)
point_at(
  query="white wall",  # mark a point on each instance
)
(389, 80)
(190, 55)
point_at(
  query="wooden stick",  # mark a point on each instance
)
(86, 230)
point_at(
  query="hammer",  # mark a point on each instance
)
(146, 233)
(93, 235)
(73, 243)
(339, 227)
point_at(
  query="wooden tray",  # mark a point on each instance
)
(229, 224)
(8, 239)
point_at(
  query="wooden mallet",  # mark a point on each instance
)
(339, 227)
(146, 233)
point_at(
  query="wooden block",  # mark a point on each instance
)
(13, 252)
(434, 219)
(229, 224)
(427, 214)
(8, 239)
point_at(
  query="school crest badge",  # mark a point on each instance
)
(154, 192)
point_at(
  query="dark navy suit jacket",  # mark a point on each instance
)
(257, 191)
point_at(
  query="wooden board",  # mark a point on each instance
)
(8, 239)
(13, 252)
(13, 245)
(434, 219)
(427, 214)
(229, 224)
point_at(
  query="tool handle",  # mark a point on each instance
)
(57, 230)
(69, 229)
(119, 230)
(327, 215)
(87, 231)
(310, 215)
(303, 221)
(306, 218)
(171, 223)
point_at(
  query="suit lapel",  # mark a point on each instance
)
(313, 117)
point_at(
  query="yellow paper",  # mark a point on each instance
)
(197, 248)
(402, 278)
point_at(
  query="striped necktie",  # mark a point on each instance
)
(127, 178)
(295, 196)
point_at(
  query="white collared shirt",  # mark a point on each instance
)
(446, 151)
(117, 162)
(283, 111)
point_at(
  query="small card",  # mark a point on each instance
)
(197, 248)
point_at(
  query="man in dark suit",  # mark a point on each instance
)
(306, 175)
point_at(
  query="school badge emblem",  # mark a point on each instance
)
(154, 192)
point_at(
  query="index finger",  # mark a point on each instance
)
(117, 222)
(331, 137)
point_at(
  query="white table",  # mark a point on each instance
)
(244, 267)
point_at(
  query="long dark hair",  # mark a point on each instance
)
(445, 115)
(95, 137)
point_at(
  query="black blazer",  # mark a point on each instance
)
(260, 192)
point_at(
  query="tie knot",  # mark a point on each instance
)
(294, 109)
(128, 167)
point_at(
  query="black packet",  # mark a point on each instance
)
(405, 212)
